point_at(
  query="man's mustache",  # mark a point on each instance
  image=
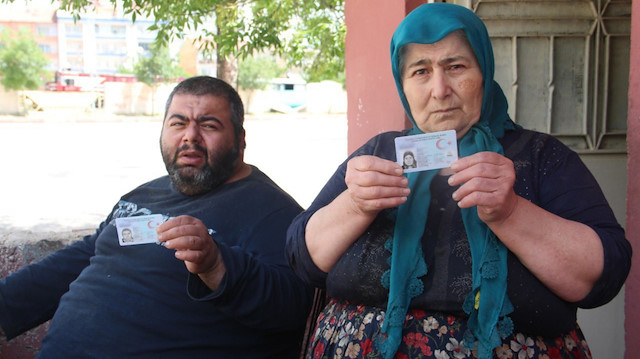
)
(192, 148)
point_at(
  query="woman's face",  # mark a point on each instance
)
(408, 160)
(443, 84)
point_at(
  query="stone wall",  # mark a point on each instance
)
(10, 102)
(17, 249)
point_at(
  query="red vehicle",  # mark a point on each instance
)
(77, 81)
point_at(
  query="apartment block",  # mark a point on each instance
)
(102, 41)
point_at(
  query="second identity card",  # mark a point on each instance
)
(138, 229)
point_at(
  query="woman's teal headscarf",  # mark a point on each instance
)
(488, 301)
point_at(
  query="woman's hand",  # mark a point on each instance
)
(374, 184)
(486, 180)
(566, 256)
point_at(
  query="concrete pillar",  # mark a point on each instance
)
(632, 287)
(373, 103)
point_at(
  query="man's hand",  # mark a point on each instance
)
(487, 180)
(375, 184)
(193, 244)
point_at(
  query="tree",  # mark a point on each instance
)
(156, 68)
(254, 72)
(318, 43)
(306, 33)
(22, 63)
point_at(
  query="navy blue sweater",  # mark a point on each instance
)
(112, 301)
(548, 174)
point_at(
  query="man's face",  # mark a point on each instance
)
(443, 85)
(198, 143)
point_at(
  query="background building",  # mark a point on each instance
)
(40, 20)
(102, 41)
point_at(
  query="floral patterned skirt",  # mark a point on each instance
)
(345, 330)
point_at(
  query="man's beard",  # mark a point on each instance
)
(217, 169)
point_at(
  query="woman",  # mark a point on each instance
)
(408, 160)
(488, 258)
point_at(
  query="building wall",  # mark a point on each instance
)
(135, 98)
(44, 35)
(41, 23)
(10, 102)
(101, 42)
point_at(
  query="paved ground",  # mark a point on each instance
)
(64, 172)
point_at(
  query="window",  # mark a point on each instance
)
(118, 30)
(575, 86)
(74, 47)
(73, 29)
(144, 47)
(47, 29)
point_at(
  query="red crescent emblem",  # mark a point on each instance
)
(439, 146)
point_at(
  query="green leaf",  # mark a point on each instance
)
(308, 34)
(22, 63)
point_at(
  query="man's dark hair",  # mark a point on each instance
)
(207, 85)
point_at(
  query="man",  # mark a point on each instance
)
(218, 286)
(127, 236)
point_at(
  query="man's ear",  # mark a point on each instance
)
(241, 140)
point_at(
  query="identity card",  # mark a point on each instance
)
(138, 229)
(427, 151)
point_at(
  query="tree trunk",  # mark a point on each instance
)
(227, 69)
(153, 100)
(227, 66)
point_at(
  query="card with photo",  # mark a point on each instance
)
(426, 151)
(138, 229)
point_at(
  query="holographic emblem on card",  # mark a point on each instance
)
(138, 229)
(426, 151)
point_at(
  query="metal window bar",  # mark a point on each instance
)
(586, 107)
